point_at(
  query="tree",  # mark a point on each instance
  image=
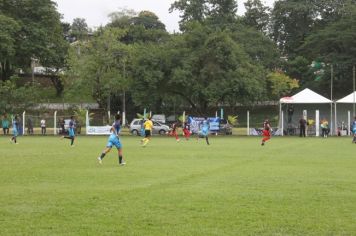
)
(194, 10)
(279, 84)
(9, 29)
(100, 67)
(79, 29)
(292, 22)
(36, 33)
(335, 44)
(141, 27)
(256, 15)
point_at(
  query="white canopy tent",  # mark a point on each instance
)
(345, 109)
(306, 100)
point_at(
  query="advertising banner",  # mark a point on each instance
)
(98, 130)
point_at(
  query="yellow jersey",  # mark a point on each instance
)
(148, 125)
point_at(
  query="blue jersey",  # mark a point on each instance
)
(354, 126)
(15, 127)
(113, 138)
(71, 128)
(205, 126)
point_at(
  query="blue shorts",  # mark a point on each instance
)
(71, 132)
(204, 133)
(15, 133)
(114, 141)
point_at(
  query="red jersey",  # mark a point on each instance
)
(266, 125)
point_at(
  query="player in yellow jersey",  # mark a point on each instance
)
(148, 126)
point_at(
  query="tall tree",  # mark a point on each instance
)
(38, 35)
(292, 22)
(191, 10)
(79, 29)
(257, 15)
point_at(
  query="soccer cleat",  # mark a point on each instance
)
(122, 163)
(262, 144)
(100, 161)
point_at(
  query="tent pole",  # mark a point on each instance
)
(331, 98)
(335, 123)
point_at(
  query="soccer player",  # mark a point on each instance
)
(354, 130)
(114, 140)
(186, 130)
(71, 133)
(266, 131)
(148, 125)
(204, 132)
(174, 131)
(15, 126)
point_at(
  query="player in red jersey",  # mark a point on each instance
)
(173, 131)
(266, 131)
(186, 130)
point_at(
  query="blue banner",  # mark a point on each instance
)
(196, 124)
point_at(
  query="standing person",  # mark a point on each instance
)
(266, 132)
(114, 140)
(29, 126)
(61, 124)
(186, 130)
(302, 126)
(324, 128)
(5, 125)
(290, 113)
(354, 130)
(71, 133)
(15, 131)
(174, 131)
(148, 125)
(204, 132)
(43, 126)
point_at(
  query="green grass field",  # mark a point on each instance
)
(291, 186)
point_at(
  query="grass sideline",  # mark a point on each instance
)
(291, 186)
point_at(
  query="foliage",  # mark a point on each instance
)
(35, 33)
(233, 120)
(15, 98)
(280, 84)
(257, 15)
(99, 66)
(81, 114)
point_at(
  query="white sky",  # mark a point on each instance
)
(95, 12)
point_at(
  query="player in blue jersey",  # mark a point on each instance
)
(114, 140)
(15, 130)
(71, 133)
(353, 128)
(204, 131)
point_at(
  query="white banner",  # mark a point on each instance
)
(98, 130)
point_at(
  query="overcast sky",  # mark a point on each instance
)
(95, 12)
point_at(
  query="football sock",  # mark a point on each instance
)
(207, 140)
(72, 141)
(120, 159)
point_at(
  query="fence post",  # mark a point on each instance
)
(55, 123)
(248, 123)
(348, 122)
(87, 122)
(317, 123)
(23, 122)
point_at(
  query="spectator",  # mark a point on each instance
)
(290, 113)
(43, 126)
(302, 126)
(5, 125)
(29, 126)
(324, 128)
(61, 125)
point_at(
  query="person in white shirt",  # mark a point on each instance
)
(43, 126)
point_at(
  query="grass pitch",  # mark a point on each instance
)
(291, 186)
